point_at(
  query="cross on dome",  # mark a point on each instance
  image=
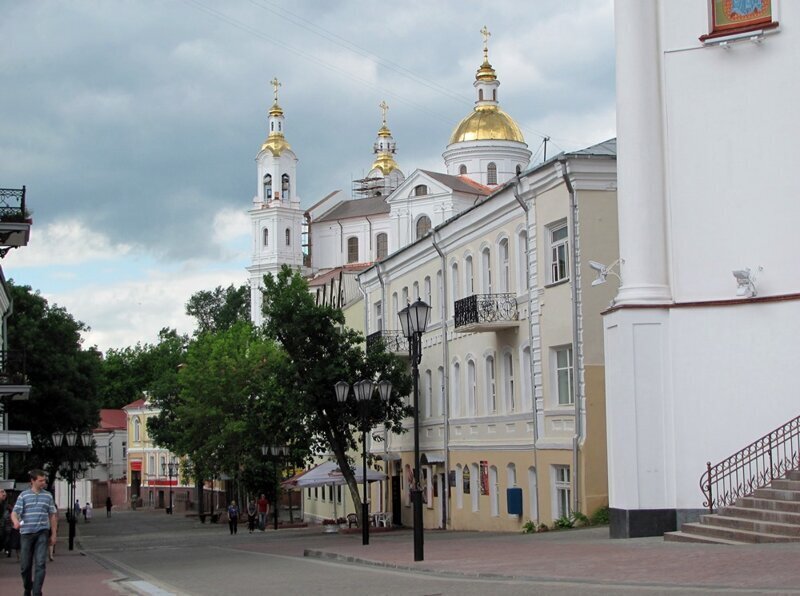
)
(275, 84)
(384, 108)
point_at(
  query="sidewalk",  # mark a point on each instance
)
(71, 574)
(583, 556)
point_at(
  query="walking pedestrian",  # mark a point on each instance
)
(263, 512)
(36, 517)
(87, 512)
(12, 534)
(3, 514)
(252, 512)
(76, 510)
(233, 517)
(108, 506)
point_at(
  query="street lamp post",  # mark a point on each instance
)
(170, 470)
(71, 439)
(273, 452)
(363, 393)
(413, 321)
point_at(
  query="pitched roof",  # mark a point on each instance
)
(356, 208)
(325, 277)
(112, 419)
(459, 183)
(607, 148)
(135, 404)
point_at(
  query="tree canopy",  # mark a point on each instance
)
(219, 309)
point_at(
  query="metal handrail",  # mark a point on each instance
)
(392, 341)
(755, 466)
(12, 204)
(485, 308)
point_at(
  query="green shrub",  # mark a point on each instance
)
(529, 527)
(600, 517)
(563, 522)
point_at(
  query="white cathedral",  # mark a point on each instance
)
(387, 210)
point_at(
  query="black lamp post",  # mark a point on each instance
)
(71, 438)
(413, 321)
(273, 452)
(363, 392)
(170, 470)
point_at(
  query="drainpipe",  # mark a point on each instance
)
(445, 360)
(577, 363)
(369, 240)
(526, 209)
(341, 240)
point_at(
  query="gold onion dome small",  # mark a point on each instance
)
(276, 143)
(385, 163)
(487, 123)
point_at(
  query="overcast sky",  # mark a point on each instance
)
(135, 124)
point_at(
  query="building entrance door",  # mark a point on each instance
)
(161, 499)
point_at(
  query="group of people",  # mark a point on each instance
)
(256, 511)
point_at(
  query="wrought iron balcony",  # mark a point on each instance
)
(13, 380)
(393, 341)
(486, 312)
(15, 223)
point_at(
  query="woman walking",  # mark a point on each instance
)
(233, 517)
(252, 511)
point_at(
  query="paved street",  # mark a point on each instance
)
(156, 554)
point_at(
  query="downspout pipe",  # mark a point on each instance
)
(532, 376)
(446, 374)
(341, 240)
(369, 240)
(382, 282)
(577, 363)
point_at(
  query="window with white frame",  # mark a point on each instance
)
(471, 389)
(137, 429)
(459, 486)
(440, 401)
(475, 486)
(454, 281)
(562, 368)
(508, 382)
(404, 297)
(395, 305)
(491, 173)
(505, 272)
(494, 490)
(522, 259)
(469, 276)
(288, 235)
(267, 187)
(486, 271)
(266, 237)
(352, 249)
(559, 250)
(428, 394)
(151, 466)
(285, 186)
(427, 296)
(491, 386)
(563, 491)
(379, 316)
(423, 226)
(455, 390)
(440, 293)
(382, 244)
(415, 291)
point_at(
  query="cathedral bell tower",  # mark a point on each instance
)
(276, 217)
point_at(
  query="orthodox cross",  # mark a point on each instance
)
(486, 34)
(275, 84)
(384, 108)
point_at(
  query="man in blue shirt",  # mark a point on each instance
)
(36, 517)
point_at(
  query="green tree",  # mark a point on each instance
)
(63, 378)
(321, 350)
(220, 308)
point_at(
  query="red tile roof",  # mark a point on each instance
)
(112, 419)
(136, 404)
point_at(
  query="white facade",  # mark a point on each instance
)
(706, 150)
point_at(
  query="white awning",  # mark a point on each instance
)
(431, 457)
(329, 474)
(15, 440)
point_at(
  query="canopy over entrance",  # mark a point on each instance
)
(328, 473)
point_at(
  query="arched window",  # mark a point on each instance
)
(469, 277)
(494, 94)
(426, 291)
(505, 273)
(137, 430)
(382, 243)
(480, 94)
(440, 400)
(396, 303)
(285, 186)
(454, 281)
(522, 259)
(288, 234)
(266, 237)
(423, 226)
(471, 389)
(491, 173)
(491, 386)
(442, 310)
(428, 394)
(462, 170)
(486, 270)
(420, 190)
(475, 488)
(508, 382)
(352, 249)
(455, 391)
(267, 187)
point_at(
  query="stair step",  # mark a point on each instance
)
(771, 504)
(680, 536)
(785, 484)
(734, 534)
(793, 474)
(756, 513)
(777, 494)
(752, 525)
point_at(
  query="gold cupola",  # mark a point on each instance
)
(487, 122)
(276, 142)
(384, 147)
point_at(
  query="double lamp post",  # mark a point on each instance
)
(363, 390)
(170, 469)
(73, 440)
(273, 452)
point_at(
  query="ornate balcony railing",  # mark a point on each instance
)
(753, 467)
(393, 341)
(12, 204)
(486, 310)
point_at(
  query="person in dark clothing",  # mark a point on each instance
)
(108, 506)
(252, 512)
(233, 517)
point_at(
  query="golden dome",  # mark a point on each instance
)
(385, 163)
(384, 131)
(276, 110)
(487, 122)
(276, 143)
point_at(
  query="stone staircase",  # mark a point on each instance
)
(770, 514)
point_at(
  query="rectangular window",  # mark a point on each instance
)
(559, 249)
(378, 316)
(563, 375)
(563, 491)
